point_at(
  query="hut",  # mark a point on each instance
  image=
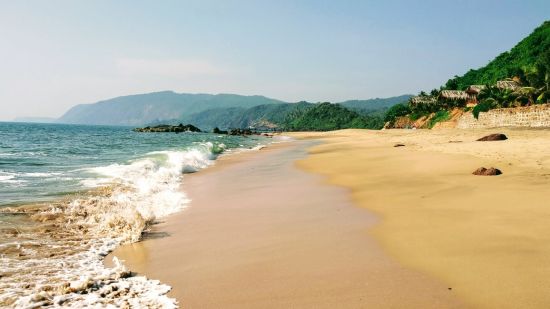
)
(508, 85)
(453, 98)
(453, 95)
(473, 91)
(423, 100)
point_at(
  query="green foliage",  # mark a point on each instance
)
(226, 118)
(414, 116)
(286, 116)
(543, 97)
(499, 97)
(529, 60)
(483, 106)
(374, 122)
(442, 115)
(396, 111)
(326, 117)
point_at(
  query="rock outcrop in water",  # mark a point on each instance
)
(168, 128)
(241, 132)
(217, 130)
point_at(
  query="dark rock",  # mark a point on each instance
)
(455, 141)
(399, 145)
(216, 130)
(168, 128)
(241, 132)
(487, 171)
(493, 137)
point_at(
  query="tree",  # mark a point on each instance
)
(500, 97)
(396, 111)
(452, 84)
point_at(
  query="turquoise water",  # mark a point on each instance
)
(41, 162)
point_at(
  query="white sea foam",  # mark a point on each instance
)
(41, 174)
(6, 177)
(10, 178)
(59, 263)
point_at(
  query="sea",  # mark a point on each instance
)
(70, 194)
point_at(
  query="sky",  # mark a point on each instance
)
(56, 54)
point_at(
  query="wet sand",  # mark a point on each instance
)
(486, 237)
(260, 233)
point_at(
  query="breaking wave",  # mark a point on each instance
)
(51, 254)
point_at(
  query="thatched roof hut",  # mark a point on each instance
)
(475, 89)
(423, 100)
(508, 84)
(453, 95)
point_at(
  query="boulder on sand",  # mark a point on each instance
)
(487, 171)
(493, 137)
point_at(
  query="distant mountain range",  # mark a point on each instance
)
(147, 108)
(203, 110)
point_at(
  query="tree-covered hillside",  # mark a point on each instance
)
(327, 117)
(268, 115)
(525, 60)
(287, 116)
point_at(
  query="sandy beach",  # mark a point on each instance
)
(260, 233)
(486, 237)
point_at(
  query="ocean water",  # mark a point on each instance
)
(70, 194)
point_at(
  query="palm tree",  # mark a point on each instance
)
(526, 95)
(499, 97)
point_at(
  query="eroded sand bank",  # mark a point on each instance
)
(487, 237)
(260, 233)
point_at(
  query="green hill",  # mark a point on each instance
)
(267, 115)
(287, 116)
(326, 117)
(526, 60)
(280, 115)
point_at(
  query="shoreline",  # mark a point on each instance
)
(261, 233)
(78, 230)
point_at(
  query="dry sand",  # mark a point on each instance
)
(260, 233)
(486, 237)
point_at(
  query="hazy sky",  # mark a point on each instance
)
(55, 54)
